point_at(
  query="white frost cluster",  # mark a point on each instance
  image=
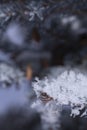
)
(69, 88)
(9, 74)
(35, 10)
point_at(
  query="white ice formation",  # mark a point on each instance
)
(10, 74)
(69, 88)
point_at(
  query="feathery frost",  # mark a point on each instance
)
(69, 88)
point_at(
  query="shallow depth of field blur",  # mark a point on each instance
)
(43, 64)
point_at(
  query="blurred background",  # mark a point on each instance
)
(43, 34)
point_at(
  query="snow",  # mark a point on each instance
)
(10, 74)
(69, 88)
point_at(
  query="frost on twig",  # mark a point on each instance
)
(69, 88)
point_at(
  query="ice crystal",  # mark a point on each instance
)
(69, 88)
(9, 74)
(36, 9)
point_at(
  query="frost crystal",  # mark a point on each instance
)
(35, 10)
(69, 88)
(9, 74)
